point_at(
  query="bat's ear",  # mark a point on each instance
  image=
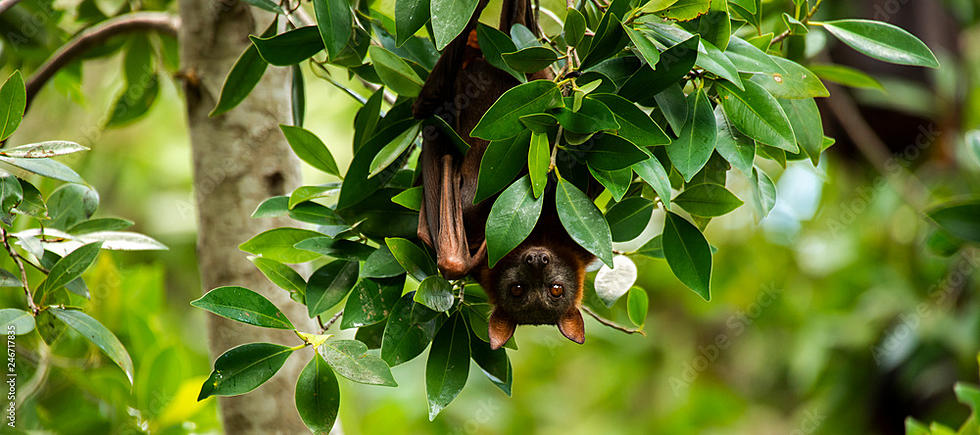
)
(572, 326)
(501, 329)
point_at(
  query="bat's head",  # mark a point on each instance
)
(536, 285)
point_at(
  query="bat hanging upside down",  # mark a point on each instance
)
(540, 281)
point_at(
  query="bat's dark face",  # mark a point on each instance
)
(536, 285)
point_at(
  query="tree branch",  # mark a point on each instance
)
(612, 325)
(7, 4)
(96, 35)
(23, 273)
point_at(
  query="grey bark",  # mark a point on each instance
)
(239, 158)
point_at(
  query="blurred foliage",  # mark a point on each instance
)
(829, 309)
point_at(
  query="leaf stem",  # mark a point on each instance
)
(23, 272)
(805, 20)
(612, 324)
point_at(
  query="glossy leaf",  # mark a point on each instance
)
(634, 124)
(791, 81)
(410, 16)
(538, 161)
(763, 193)
(396, 74)
(583, 221)
(531, 59)
(71, 266)
(749, 58)
(646, 47)
(707, 200)
(628, 218)
(43, 149)
(349, 358)
(381, 264)
(243, 369)
(448, 365)
(18, 322)
(244, 75)
(393, 150)
(574, 27)
(449, 18)
(959, 219)
(334, 21)
(281, 275)
(591, 117)
(289, 48)
(512, 218)
(609, 153)
(502, 119)
(732, 144)
(616, 182)
(371, 301)
(278, 244)
(409, 330)
(653, 173)
(13, 102)
(413, 259)
(436, 293)
(882, 41)
(675, 63)
(243, 305)
(804, 117)
(696, 140)
(99, 335)
(317, 396)
(494, 43)
(328, 285)
(846, 76)
(310, 149)
(637, 304)
(758, 115)
(501, 162)
(687, 254)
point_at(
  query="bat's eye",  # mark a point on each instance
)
(516, 289)
(557, 290)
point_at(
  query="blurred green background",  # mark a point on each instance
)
(839, 313)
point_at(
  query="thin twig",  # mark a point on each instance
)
(611, 324)
(331, 321)
(23, 272)
(98, 35)
(7, 4)
(805, 19)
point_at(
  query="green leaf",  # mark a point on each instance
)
(686, 10)
(512, 218)
(357, 186)
(675, 63)
(609, 39)
(317, 396)
(653, 173)
(142, 84)
(959, 219)
(396, 74)
(71, 266)
(715, 26)
(243, 305)
(643, 45)
(281, 275)
(367, 117)
(493, 363)
(591, 117)
(334, 21)
(763, 193)
(696, 140)
(709, 57)
(32, 203)
(11, 194)
(791, 81)
(731, 144)
(882, 41)
(244, 75)
(409, 330)
(290, 47)
(610, 153)
(43, 149)
(574, 27)
(381, 264)
(449, 18)
(70, 204)
(531, 59)
(617, 182)
(687, 254)
(436, 293)
(410, 16)
(243, 369)
(846, 76)
(634, 124)
(538, 161)
(310, 149)
(583, 221)
(707, 200)
(448, 364)
(501, 162)
(18, 322)
(628, 218)
(99, 335)
(749, 58)
(303, 194)
(391, 152)
(637, 304)
(13, 102)
(502, 119)
(493, 43)
(804, 116)
(278, 244)
(329, 285)
(413, 259)
(349, 358)
(371, 301)
(409, 198)
(758, 115)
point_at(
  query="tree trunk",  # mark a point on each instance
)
(240, 158)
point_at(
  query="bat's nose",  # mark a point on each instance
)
(537, 258)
